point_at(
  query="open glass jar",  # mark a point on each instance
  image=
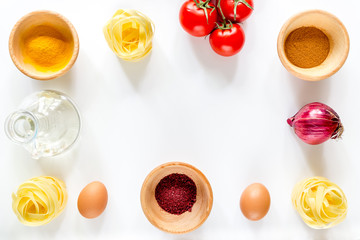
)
(46, 124)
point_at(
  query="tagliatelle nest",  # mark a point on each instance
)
(129, 34)
(320, 203)
(39, 200)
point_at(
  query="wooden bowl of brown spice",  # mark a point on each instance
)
(313, 45)
(176, 197)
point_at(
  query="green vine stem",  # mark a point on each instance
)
(236, 3)
(221, 12)
(204, 5)
(224, 25)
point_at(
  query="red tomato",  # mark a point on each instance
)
(227, 42)
(242, 11)
(193, 19)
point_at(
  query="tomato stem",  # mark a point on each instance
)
(204, 5)
(237, 2)
(219, 7)
(224, 25)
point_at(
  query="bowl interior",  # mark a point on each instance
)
(187, 221)
(22, 30)
(335, 31)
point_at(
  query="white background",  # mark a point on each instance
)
(225, 116)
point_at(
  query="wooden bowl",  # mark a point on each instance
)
(335, 31)
(187, 221)
(21, 29)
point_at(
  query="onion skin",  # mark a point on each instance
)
(316, 123)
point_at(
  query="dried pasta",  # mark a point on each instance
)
(320, 203)
(39, 200)
(129, 34)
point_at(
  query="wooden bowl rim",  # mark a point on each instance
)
(61, 71)
(170, 164)
(290, 67)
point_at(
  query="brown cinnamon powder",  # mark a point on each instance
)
(307, 47)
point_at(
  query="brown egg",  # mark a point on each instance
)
(92, 200)
(255, 201)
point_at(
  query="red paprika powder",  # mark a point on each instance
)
(176, 193)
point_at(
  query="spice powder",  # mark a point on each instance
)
(176, 193)
(307, 47)
(46, 48)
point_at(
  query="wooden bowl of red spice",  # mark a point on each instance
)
(313, 45)
(43, 45)
(176, 197)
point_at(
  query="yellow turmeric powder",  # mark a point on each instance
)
(46, 49)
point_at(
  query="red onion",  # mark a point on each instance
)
(315, 123)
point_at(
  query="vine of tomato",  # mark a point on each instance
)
(198, 17)
(236, 10)
(227, 40)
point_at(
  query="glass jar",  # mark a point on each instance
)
(46, 124)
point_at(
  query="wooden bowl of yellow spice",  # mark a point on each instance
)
(43, 45)
(313, 45)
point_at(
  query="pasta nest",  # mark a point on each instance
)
(39, 200)
(320, 203)
(129, 34)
